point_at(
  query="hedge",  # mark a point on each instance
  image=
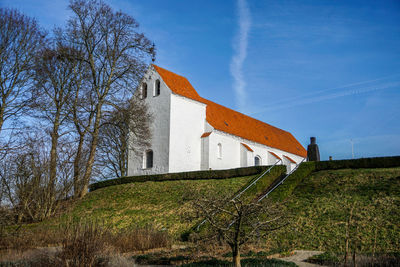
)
(307, 168)
(378, 162)
(194, 175)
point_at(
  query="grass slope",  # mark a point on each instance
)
(322, 205)
(160, 204)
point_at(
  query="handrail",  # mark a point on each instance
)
(281, 182)
(255, 181)
(244, 190)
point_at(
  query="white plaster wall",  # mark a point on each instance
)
(205, 153)
(187, 125)
(159, 107)
(230, 151)
(243, 156)
(235, 155)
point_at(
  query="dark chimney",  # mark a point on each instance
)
(312, 150)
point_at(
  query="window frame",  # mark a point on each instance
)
(146, 159)
(144, 90)
(219, 151)
(157, 88)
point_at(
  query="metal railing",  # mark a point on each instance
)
(244, 190)
(281, 181)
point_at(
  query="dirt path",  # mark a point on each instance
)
(300, 255)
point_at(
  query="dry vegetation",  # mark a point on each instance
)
(86, 243)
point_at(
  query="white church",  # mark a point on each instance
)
(190, 133)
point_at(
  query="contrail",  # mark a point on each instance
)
(240, 52)
(329, 96)
(314, 93)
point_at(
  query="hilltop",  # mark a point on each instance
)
(319, 203)
(330, 204)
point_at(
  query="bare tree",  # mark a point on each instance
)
(127, 129)
(57, 69)
(20, 38)
(115, 55)
(237, 222)
(25, 177)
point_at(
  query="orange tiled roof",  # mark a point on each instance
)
(275, 155)
(227, 120)
(205, 134)
(291, 160)
(247, 147)
(178, 84)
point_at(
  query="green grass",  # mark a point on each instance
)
(160, 204)
(321, 205)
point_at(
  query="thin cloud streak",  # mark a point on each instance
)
(320, 98)
(313, 93)
(240, 53)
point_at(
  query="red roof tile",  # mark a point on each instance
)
(275, 155)
(247, 147)
(205, 134)
(291, 160)
(227, 120)
(178, 84)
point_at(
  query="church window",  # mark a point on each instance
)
(144, 90)
(148, 159)
(219, 152)
(157, 88)
(257, 161)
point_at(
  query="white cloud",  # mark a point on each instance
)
(240, 53)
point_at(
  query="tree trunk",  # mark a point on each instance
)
(53, 154)
(236, 256)
(1, 115)
(124, 152)
(92, 153)
(77, 173)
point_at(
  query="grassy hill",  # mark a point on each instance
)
(328, 207)
(160, 204)
(364, 203)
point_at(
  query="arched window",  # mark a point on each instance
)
(157, 88)
(148, 159)
(219, 151)
(257, 161)
(144, 90)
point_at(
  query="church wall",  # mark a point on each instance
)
(159, 107)
(235, 155)
(187, 126)
(230, 156)
(205, 153)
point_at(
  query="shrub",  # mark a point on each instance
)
(378, 162)
(82, 243)
(195, 175)
(20, 238)
(140, 239)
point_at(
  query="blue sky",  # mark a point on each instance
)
(329, 69)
